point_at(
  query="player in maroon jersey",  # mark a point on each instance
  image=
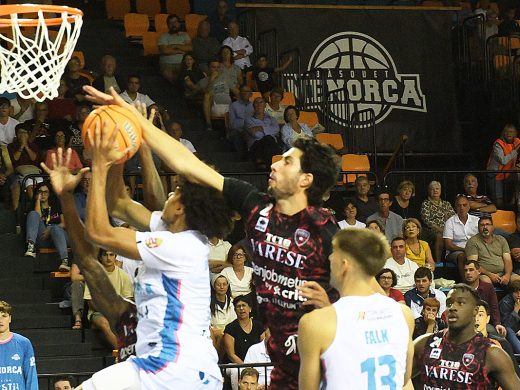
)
(121, 313)
(289, 231)
(459, 358)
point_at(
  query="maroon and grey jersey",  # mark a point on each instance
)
(445, 365)
(287, 251)
(126, 332)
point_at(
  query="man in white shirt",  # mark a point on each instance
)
(132, 95)
(258, 354)
(241, 47)
(458, 229)
(403, 267)
(174, 129)
(7, 124)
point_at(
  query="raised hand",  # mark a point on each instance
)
(62, 179)
(104, 148)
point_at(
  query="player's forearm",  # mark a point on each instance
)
(97, 222)
(154, 195)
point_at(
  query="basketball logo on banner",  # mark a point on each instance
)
(359, 70)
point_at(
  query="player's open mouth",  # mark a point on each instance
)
(452, 318)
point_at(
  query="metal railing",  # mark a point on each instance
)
(474, 68)
(247, 23)
(267, 43)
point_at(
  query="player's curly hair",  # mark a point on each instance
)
(323, 163)
(205, 209)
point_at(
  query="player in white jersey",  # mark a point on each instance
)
(363, 341)
(172, 291)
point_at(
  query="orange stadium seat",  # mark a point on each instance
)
(354, 162)
(192, 23)
(504, 220)
(136, 25)
(288, 99)
(150, 40)
(332, 139)
(160, 23)
(310, 118)
(255, 95)
(148, 7)
(117, 9)
(502, 61)
(181, 8)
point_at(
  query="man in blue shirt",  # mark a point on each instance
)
(239, 111)
(17, 363)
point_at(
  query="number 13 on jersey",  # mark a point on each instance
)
(375, 379)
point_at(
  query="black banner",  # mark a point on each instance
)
(395, 61)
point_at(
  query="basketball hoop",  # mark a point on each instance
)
(32, 60)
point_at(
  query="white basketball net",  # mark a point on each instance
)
(32, 65)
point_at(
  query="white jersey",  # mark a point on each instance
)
(172, 294)
(370, 346)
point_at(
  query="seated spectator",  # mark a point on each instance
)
(493, 254)
(258, 354)
(510, 313)
(263, 74)
(479, 205)
(513, 240)
(174, 129)
(239, 275)
(240, 335)
(189, 76)
(239, 111)
(229, 69)
(132, 95)
(366, 205)
(292, 129)
(25, 157)
(76, 141)
(46, 226)
(6, 170)
(275, 109)
(240, 46)
(62, 140)
(63, 106)
(350, 220)
(172, 46)
(423, 289)
(485, 291)
(108, 77)
(217, 89)
(74, 80)
(7, 124)
(509, 25)
(80, 196)
(404, 268)
(40, 127)
(205, 47)
(77, 290)
(392, 223)
(63, 382)
(492, 23)
(222, 310)
(249, 379)
(417, 250)
(23, 109)
(123, 287)
(219, 21)
(376, 226)
(458, 229)
(387, 279)
(434, 213)
(218, 254)
(263, 131)
(504, 156)
(404, 203)
(428, 322)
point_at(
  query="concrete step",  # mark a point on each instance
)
(42, 322)
(46, 262)
(29, 282)
(61, 350)
(7, 221)
(53, 365)
(15, 266)
(52, 336)
(15, 296)
(24, 310)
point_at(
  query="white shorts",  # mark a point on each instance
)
(219, 109)
(127, 376)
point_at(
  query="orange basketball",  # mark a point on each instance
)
(129, 134)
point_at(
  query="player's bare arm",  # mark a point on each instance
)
(500, 367)
(316, 332)
(99, 231)
(172, 152)
(64, 183)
